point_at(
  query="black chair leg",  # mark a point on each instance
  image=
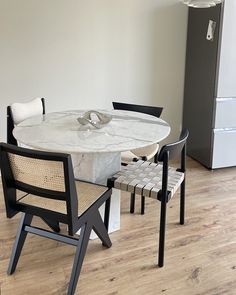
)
(19, 242)
(79, 257)
(162, 234)
(132, 202)
(107, 213)
(142, 205)
(52, 224)
(155, 160)
(101, 230)
(182, 202)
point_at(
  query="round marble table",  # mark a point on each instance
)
(96, 153)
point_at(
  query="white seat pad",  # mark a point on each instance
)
(149, 152)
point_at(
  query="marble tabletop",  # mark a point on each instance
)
(60, 131)
(96, 153)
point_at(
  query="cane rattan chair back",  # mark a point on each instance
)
(48, 175)
(42, 175)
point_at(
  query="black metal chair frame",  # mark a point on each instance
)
(150, 110)
(168, 152)
(89, 220)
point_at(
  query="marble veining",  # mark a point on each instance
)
(61, 132)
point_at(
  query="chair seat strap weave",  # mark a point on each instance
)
(145, 178)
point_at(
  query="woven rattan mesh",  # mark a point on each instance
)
(87, 195)
(39, 173)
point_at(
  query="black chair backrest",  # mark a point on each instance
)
(150, 110)
(174, 149)
(42, 174)
(43, 103)
(10, 124)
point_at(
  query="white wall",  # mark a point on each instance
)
(85, 53)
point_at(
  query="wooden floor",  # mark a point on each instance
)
(200, 256)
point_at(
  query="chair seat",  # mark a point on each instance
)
(88, 193)
(145, 178)
(149, 152)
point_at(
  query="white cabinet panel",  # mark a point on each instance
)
(227, 69)
(224, 148)
(225, 113)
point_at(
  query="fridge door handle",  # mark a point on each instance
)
(211, 30)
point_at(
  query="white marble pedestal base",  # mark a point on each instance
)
(97, 168)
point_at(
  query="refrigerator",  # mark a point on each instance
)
(209, 109)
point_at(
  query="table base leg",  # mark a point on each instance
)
(97, 168)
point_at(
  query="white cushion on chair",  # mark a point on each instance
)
(127, 157)
(23, 111)
(148, 151)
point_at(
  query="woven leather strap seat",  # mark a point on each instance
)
(145, 178)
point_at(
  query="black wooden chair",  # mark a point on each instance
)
(10, 117)
(51, 193)
(146, 153)
(157, 181)
(26, 108)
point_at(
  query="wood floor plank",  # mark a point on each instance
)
(200, 256)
